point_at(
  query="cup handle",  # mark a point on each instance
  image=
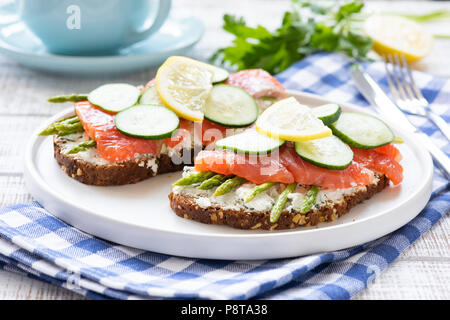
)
(163, 11)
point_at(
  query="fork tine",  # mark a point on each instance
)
(402, 94)
(389, 79)
(413, 84)
(406, 86)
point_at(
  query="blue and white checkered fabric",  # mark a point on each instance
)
(34, 243)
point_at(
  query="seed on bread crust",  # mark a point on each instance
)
(184, 206)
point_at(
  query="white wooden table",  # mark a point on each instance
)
(421, 272)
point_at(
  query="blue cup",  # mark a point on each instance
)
(92, 27)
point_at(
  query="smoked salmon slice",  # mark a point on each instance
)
(380, 162)
(258, 83)
(256, 169)
(284, 166)
(182, 136)
(391, 151)
(212, 132)
(111, 144)
(308, 174)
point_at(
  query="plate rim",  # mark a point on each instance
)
(31, 172)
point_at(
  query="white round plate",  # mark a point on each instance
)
(176, 36)
(139, 215)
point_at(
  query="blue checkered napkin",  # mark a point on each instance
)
(34, 243)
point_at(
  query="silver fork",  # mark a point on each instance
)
(407, 95)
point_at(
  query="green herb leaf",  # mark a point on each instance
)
(347, 9)
(309, 27)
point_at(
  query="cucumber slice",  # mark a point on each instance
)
(147, 122)
(151, 97)
(220, 75)
(328, 113)
(230, 106)
(329, 152)
(114, 97)
(249, 142)
(361, 130)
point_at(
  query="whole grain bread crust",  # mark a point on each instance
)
(184, 206)
(114, 173)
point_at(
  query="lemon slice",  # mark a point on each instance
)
(183, 85)
(394, 34)
(289, 120)
(219, 74)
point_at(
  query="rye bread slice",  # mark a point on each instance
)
(185, 206)
(103, 173)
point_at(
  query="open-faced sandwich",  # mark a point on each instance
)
(262, 160)
(121, 134)
(298, 166)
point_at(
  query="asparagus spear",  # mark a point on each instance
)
(83, 146)
(258, 189)
(214, 181)
(69, 120)
(51, 128)
(194, 178)
(281, 202)
(310, 199)
(68, 128)
(228, 185)
(68, 98)
(65, 126)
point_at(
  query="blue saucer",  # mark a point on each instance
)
(175, 37)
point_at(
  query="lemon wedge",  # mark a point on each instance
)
(398, 35)
(289, 120)
(184, 84)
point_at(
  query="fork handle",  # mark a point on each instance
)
(440, 159)
(440, 123)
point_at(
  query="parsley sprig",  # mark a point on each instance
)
(309, 27)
